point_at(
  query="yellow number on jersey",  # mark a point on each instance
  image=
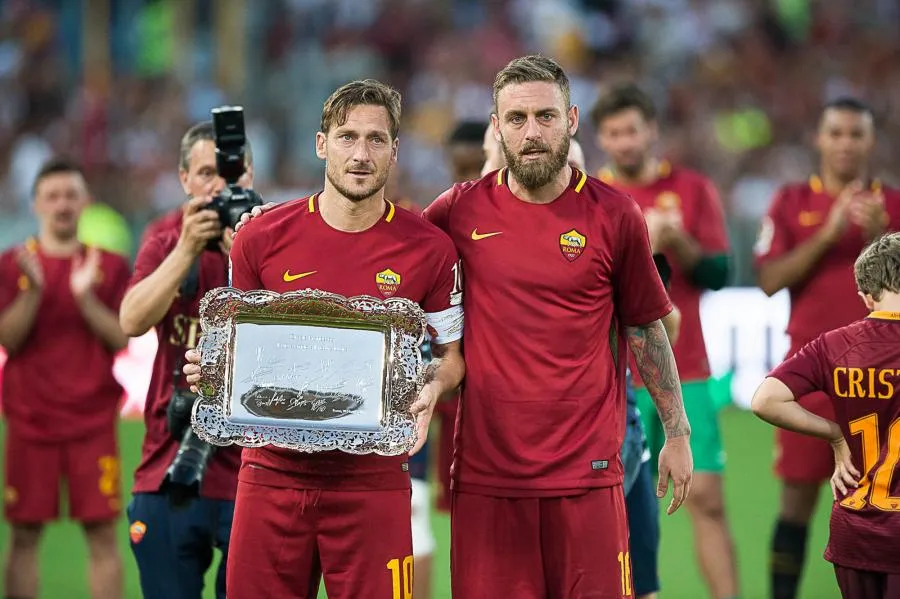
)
(109, 475)
(402, 577)
(876, 487)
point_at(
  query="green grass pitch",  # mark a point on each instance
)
(751, 496)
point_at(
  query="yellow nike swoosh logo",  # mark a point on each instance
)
(476, 235)
(288, 277)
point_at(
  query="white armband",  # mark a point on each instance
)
(445, 326)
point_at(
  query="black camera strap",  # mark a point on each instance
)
(191, 283)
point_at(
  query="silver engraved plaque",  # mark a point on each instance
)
(309, 370)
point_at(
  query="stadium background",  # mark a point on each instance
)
(738, 82)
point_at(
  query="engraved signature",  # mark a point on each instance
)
(280, 402)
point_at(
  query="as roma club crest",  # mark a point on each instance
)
(388, 282)
(668, 200)
(572, 244)
(137, 531)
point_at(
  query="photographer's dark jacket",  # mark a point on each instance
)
(178, 331)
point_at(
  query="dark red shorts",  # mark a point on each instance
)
(573, 547)
(35, 472)
(284, 540)
(862, 584)
(802, 458)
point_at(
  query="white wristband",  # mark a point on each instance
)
(445, 326)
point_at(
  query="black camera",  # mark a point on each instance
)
(185, 475)
(231, 143)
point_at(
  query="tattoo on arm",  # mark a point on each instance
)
(656, 366)
(431, 369)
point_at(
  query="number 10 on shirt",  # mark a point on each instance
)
(875, 486)
(402, 577)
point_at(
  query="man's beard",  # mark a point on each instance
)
(64, 231)
(633, 170)
(354, 195)
(534, 174)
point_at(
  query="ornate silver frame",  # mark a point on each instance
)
(402, 321)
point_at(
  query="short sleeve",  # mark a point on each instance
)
(774, 238)
(9, 279)
(443, 301)
(150, 255)
(438, 213)
(805, 371)
(243, 270)
(152, 230)
(711, 233)
(640, 295)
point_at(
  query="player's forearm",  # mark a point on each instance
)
(655, 363)
(147, 303)
(774, 403)
(793, 268)
(102, 321)
(447, 368)
(17, 320)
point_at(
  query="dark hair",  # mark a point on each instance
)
(623, 97)
(849, 104)
(203, 131)
(467, 132)
(55, 166)
(527, 69)
(367, 92)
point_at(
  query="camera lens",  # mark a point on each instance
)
(185, 476)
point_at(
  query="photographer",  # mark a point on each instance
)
(183, 504)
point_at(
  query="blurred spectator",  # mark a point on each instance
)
(739, 84)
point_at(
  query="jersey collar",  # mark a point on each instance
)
(607, 174)
(389, 216)
(817, 186)
(579, 179)
(884, 315)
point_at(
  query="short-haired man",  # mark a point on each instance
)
(302, 516)
(58, 325)
(173, 537)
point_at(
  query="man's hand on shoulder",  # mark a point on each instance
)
(256, 212)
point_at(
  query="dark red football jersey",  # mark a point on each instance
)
(549, 291)
(178, 332)
(402, 255)
(858, 366)
(697, 199)
(827, 299)
(60, 386)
